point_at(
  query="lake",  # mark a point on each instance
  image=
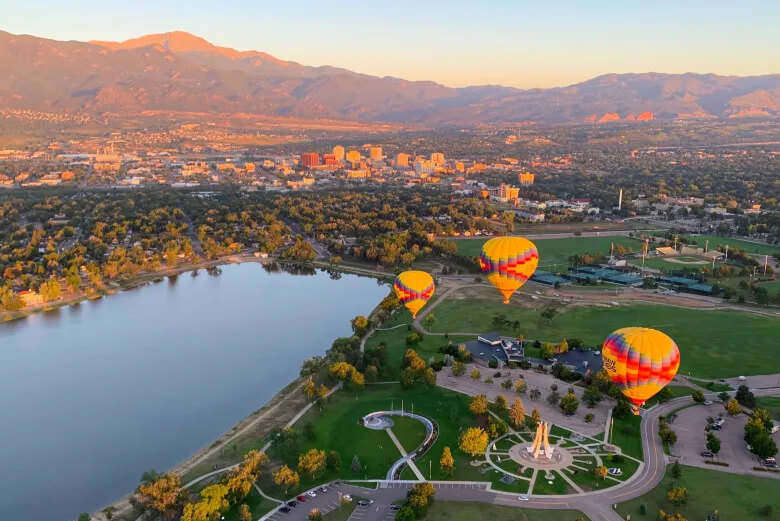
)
(94, 394)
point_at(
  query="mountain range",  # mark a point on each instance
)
(178, 71)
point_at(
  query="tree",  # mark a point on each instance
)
(315, 515)
(286, 478)
(520, 386)
(333, 461)
(240, 479)
(475, 374)
(496, 427)
(356, 380)
(677, 495)
(732, 407)
(600, 472)
(535, 394)
(591, 396)
(676, 470)
(164, 494)
(311, 462)
(589, 417)
(84, 517)
(764, 446)
(668, 436)
(713, 443)
(536, 417)
(310, 388)
(428, 321)
(517, 413)
(553, 398)
(405, 514)
(569, 403)
(359, 324)
(698, 396)
(501, 403)
(478, 405)
(458, 369)
(213, 501)
(745, 397)
(549, 313)
(723, 396)
(355, 466)
(473, 441)
(244, 514)
(447, 462)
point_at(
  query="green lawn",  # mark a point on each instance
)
(554, 253)
(734, 496)
(336, 428)
(713, 344)
(464, 511)
(771, 404)
(395, 342)
(409, 432)
(747, 246)
(559, 486)
(258, 505)
(677, 391)
(342, 513)
(625, 434)
(715, 387)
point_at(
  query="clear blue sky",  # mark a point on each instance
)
(457, 42)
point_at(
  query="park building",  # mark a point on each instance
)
(492, 346)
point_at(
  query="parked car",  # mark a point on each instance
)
(708, 402)
(365, 502)
(292, 503)
(706, 454)
(614, 471)
(523, 497)
(741, 378)
(323, 489)
(311, 493)
(395, 507)
(286, 510)
(301, 498)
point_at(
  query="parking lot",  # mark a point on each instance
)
(691, 440)
(382, 498)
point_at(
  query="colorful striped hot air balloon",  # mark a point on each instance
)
(640, 361)
(509, 262)
(414, 289)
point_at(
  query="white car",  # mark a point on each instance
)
(614, 471)
(311, 493)
(741, 378)
(523, 497)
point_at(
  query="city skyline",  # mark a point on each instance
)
(509, 44)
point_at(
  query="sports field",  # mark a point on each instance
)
(714, 344)
(750, 247)
(554, 253)
(734, 496)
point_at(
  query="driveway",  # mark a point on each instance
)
(540, 381)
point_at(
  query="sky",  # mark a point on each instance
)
(517, 43)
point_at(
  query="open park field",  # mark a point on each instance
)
(747, 246)
(734, 496)
(457, 511)
(771, 404)
(554, 253)
(714, 344)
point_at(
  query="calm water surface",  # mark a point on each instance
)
(94, 394)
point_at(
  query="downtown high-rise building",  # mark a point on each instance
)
(338, 152)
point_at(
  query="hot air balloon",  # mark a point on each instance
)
(509, 262)
(640, 361)
(414, 289)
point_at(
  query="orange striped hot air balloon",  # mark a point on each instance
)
(414, 289)
(509, 262)
(640, 361)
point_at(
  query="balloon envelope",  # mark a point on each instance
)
(414, 289)
(640, 361)
(508, 262)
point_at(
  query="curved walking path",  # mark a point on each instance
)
(430, 431)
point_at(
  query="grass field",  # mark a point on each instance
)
(771, 404)
(625, 433)
(713, 344)
(409, 432)
(733, 495)
(463, 511)
(750, 247)
(554, 253)
(257, 504)
(395, 342)
(677, 391)
(715, 387)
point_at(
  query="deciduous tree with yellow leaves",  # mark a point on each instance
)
(164, 494)
(286, 478)
(479, 404)
(473, 441)
(517, 413)
(447, 462)
(311, 462)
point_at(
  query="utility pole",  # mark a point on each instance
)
(727, 252)
(706, 245)
(766, 259)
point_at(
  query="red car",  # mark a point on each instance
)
(302, 499)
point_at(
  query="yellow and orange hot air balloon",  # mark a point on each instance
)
(414, 289)
(640, 361)
(509, 262)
